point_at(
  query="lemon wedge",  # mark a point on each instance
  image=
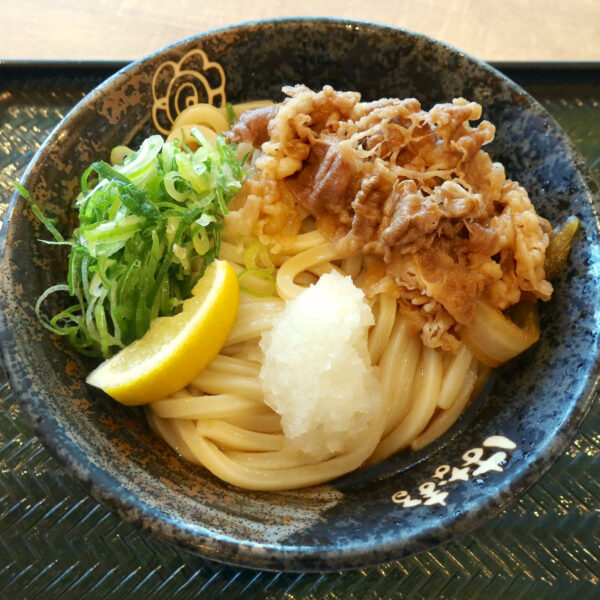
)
(175, 349)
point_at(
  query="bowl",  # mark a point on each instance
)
(510, 435)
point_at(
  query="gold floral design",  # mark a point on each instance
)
(177, 85)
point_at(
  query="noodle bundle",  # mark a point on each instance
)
(430, 359)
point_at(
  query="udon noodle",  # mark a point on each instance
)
(220, 421)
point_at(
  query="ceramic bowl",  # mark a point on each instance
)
(503, 443)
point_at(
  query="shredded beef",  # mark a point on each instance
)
(253, 126)
(325, 179)
(413, 188)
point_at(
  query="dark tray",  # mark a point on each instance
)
(58, 542)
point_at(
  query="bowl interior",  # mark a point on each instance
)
(507, 438)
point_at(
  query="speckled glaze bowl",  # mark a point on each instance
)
(505, 441)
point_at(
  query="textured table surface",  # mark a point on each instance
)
(58, 542)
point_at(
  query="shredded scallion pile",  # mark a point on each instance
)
(148, 229)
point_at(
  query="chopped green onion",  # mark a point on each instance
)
(143, 223)
(257, 257)
(119, 154)
(231, 117)
(48, 223)
(261, 275)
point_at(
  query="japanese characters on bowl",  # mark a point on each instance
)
(492, 455)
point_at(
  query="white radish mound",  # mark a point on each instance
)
(317, 372)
